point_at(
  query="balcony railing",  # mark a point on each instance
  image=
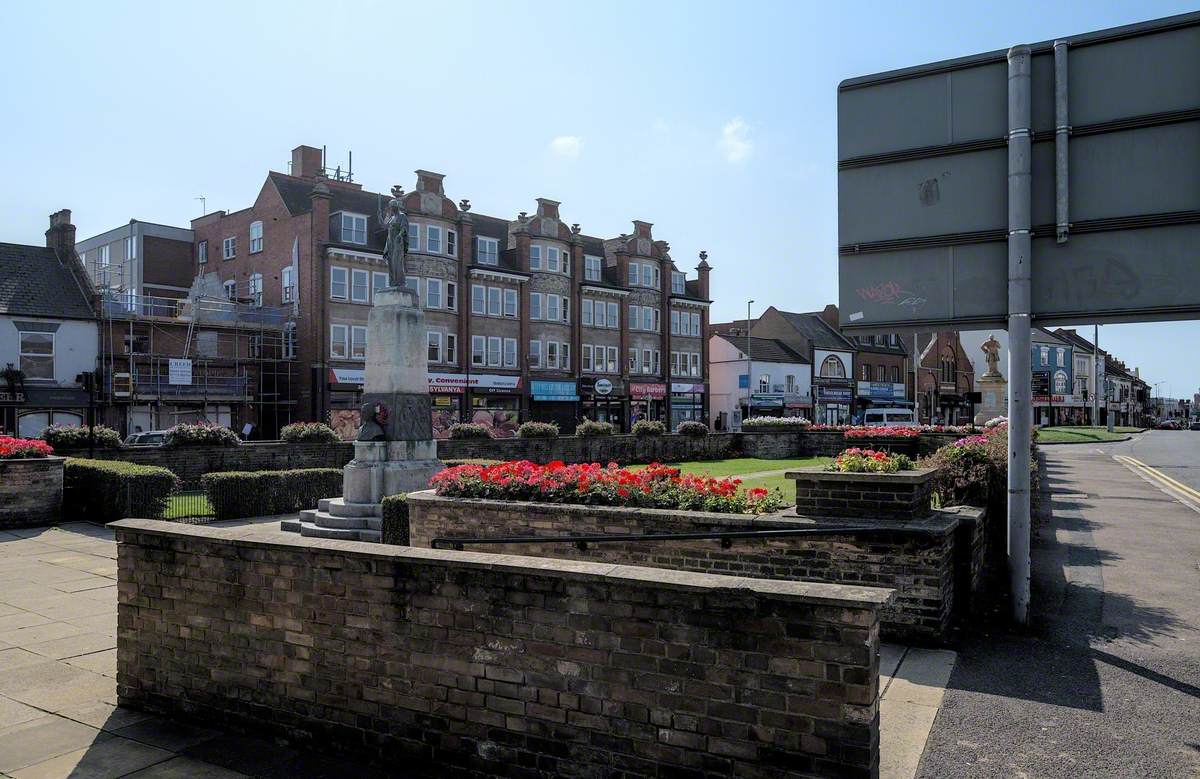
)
(214, 311)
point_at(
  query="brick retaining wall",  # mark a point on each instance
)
(31, 492)
(478, 665)
(902, 495)
(916, 558)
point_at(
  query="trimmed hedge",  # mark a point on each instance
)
(308, 432)
(201, 435)
(646, 427)
(591, 428)
(108, 490)
(61, 437)
(395, 520)
(235, 494)
(695, 429)
(538, 430)
(467, 430)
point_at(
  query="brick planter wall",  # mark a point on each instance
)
(31, 492)
(463, 664)
(822, 443)
(621, 449)
(917, 559)
(189, 463)
(903, 495)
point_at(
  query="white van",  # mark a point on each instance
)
(889, 417)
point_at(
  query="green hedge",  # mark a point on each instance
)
(590, 428)
(645, 427)
(538, 430)
(235, 494)
(105, 491)
(395, 520)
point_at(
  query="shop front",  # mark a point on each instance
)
(489, 399)
(555, 401)
(1060, 410)
(25, 411)
(604, 400)
(881, 394)
(687, 403)
(647, 400)
(833, 403)
(345, 398)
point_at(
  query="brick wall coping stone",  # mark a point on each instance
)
(846, 596)
(819, 473)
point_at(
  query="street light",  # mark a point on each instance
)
(749, 361)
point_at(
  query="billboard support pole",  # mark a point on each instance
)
(1020, 414)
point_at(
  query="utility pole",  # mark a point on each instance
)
(1096, 375)
(1020, 242)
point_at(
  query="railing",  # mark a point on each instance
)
(202, 385)
(126, 305)
(726, 537)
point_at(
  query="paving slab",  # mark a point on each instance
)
(105, 716)
(41, 739)
(909, 705)
(186, 768)
(14, 712)
(109, 759)
(73, 646)
(36, 634)
(166, 734)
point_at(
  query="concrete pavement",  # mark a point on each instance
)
(1108, 681)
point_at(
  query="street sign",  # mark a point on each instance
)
(923, 184)
(1040, 384)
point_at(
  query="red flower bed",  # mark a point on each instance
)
(655, 486)
(882, 432)
(20, 448)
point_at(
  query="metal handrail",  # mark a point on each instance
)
(726, 537)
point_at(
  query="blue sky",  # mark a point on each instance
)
(714, 121)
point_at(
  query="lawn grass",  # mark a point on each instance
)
(1058, 435)
(194, 504)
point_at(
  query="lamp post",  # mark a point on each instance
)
(749, 361)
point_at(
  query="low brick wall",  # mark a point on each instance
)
(31, 492)
(916, 558)
(902, 495)
(464, 664)
(621, 449)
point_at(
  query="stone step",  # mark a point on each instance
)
(313, 531)
(325, 519)
(339, 507)
(290, 525)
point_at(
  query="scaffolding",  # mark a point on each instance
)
(241, 357)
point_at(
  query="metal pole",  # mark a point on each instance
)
(749, 361)
(1062, 131)
(916, 379)
(1020, 414)
(1096, 375)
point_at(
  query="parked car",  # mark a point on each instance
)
(1195, 425)
(1168, 424)
(152, 438)
(889, 417)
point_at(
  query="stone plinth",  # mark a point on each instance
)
(994, 391)
(903, 495)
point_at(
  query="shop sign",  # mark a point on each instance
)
(882, 390)
(601, 388)
(346, 376)
(837, 394)
(797, 401)
(458, 382)
(685, 388)
(947, 388)
(647, 391)
(763, 400)
(1058, 400)
(11, 397)
(179, 371)
(553, 390)
(743, 380)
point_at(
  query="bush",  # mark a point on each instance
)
(697, 429)
(201, 435)
(655, 486)
(21, 448)
(395, 520)
(105, 491)
(861, 431)
(645, 427)
(870, 461)
(775, 423)
(973, 471)
(468, 431)
(235, 494)
(61, 437)
(538, 430)
(590, 428)
(308, 433)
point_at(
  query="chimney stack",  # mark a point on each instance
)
(702, 271)
(61, 235)
(830, 315)
(428, 181)
(306, 161)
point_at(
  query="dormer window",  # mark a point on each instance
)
(677, 283)
(354, 228)
(488, 251)
(591, 268)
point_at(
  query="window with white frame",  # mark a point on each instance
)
(535, 257)
(230, 289)
(433, 293)
(36, 352)
(675, 322)
(678, 283)
(228, 249)
(614, 358)
(413, 283)
(647, 318)
(536, 304)
(360, 285)
(696, 324)
(256, 282)
(657, 362)
(451, 243)
(535, 354)
(433, 239)
(552, 263)
(414, 237)
(339, 285)
(566, 309)
(564, 356)
(764, 382)
(650, 276)
(379, 280)
(451, 296)
(495, 306)
(201, 252)
(646, 360)
(510, 352)
(103, 259)
(586, 315)
(289, 341)
(553, 308)
(674, 363)
(452, 348)
(613, 315)
(1061, 357)
(256, 237)
(339, 336)
(488, 250)
(478, 350)
(510, 303)
(585, 358)
(591, 268)
(434, 339)
(354, 228)
(495, 346)
(634, 274)
(635, 317)
(358, 342)
(478, 299)
(130, 243)
(552, 354)
(287, 284)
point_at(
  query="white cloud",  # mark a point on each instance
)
(567, 146)
(735, 140)
(659, 125)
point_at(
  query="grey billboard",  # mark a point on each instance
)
(923, 166)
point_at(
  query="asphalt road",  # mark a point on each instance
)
(1107, 682)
